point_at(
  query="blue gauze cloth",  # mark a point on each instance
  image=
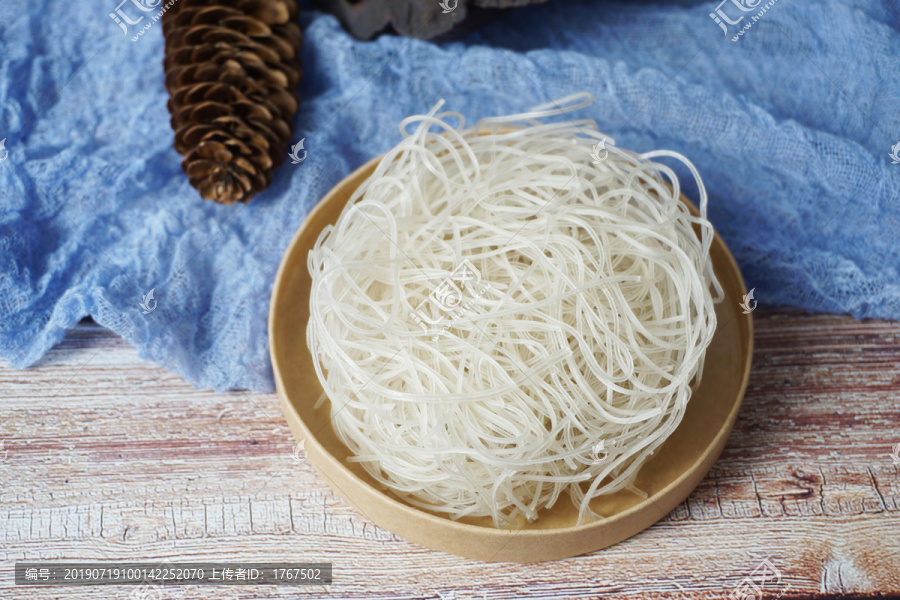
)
(791, 127)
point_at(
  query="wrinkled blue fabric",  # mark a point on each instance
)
(791, 127)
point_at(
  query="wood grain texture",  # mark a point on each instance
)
(109, 457)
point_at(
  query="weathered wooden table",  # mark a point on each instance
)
(109, 457)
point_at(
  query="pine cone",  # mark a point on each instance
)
(232, 73)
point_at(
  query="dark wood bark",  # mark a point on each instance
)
(423, 19)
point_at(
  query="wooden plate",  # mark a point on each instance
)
(668, 477)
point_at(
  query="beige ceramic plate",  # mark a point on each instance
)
(668, 477)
